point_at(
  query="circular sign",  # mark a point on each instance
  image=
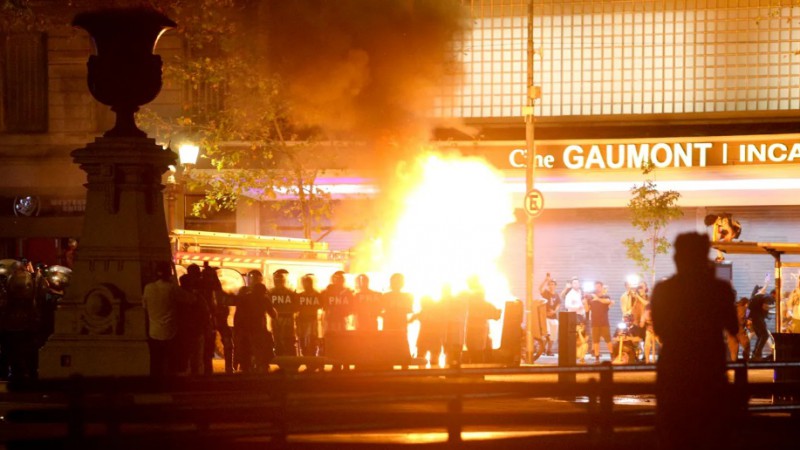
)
(534, 203)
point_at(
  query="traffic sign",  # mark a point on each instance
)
(534, 203)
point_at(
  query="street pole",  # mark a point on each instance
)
(172, 195)
(529, 177)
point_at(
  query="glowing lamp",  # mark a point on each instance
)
(588, 286)
(188, 154)
(633, 279)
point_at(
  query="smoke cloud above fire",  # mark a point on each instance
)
(365, 69)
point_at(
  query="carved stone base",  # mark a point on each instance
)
(94, 357)
(100, 324)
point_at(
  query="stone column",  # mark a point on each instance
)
(100, 324)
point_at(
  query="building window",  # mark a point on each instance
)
(223, 221)
(24, 78)
(611, 57)
(204, 93)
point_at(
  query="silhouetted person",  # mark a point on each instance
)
(432, 328)
(479, 312)
(398, 305)
(369, 305)
(741, 338)
(286, 304)
(758, 310)
(193, 322)
(339, 303)
(213, 296)
(308, 317)
(455, 311)
(160, 303)
(691, 311)
(253, 347)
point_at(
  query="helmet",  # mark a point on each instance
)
(254, 277)
(58, 276)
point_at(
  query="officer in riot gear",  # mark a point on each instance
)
(253, 343)
(219, 307)
(398, 305)
(19, 323)
(479, 312)
(308, 325)
(369, 305)
(285, 302)
(338, 302)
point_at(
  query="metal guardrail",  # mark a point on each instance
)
(271, 404)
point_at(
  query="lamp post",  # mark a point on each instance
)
(176, 181)
(533, 92)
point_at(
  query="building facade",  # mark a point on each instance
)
(709, 90)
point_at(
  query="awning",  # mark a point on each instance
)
(756, 248)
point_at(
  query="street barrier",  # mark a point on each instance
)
(203, 412)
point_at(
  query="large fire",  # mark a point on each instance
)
(452, 212)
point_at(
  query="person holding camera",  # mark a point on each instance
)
(573, 298)
(634, 300)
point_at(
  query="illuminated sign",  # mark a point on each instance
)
(634, 155)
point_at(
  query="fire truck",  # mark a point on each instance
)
(234, 255)
(237, 254)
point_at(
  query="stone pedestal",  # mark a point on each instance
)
(100, 324)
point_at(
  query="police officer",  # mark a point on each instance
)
(286, 305)
(397, 307)
(253, 344)
(479, 312)
(369, 305)
(339, 303)
(310, 303)
(218, 309)
(455, 311)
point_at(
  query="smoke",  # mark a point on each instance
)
(365, 69)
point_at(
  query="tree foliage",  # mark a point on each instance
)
(359, 71)
(239, 118)
(651, 211)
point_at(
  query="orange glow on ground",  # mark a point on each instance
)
(449, 225)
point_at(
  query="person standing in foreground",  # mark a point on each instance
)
(160, 303)
(690, 311)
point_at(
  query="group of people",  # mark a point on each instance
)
(592, 314)
(28, 299)
(184, 320)
(592, 311)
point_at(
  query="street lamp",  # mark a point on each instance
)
(187, 154)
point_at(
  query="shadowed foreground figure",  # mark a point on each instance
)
(690, 311)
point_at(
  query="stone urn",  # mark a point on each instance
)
(100, 326)
(123, 71)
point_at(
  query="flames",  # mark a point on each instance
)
(449, 222)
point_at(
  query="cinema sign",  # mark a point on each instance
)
(634, 155)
